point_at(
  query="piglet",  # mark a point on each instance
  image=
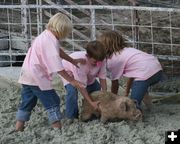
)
(111, 107)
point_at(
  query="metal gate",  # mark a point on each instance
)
(154, 30)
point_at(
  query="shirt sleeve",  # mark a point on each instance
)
(115, 70)
(80, 74)
(54, 64)
(51, 58)
(102, 72)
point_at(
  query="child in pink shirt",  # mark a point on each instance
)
(95, 67)
(142, 69)
(43, 59)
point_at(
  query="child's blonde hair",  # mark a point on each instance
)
(60, 24)
(96, 50)
(113, 42)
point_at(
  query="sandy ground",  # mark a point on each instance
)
(162, 117)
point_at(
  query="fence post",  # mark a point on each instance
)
(24, 22)
(136, 20)
(93, 26)
(39, 17)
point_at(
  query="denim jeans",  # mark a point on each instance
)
(29, 97)
(71, 99)
(140, 88)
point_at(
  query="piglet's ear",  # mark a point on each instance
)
(122, 106)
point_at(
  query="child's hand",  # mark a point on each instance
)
(95, 105)
(77, 84)
(77, 62)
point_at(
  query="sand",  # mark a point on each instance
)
(161, 118)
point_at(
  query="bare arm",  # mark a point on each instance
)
(103, 84)
(128, 86)
(114, 86)
(75, 83)
(75, 62)
(65, 56)
(79, 86)
(88, 98)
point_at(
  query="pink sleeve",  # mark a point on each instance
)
(81, 75)
(115, 70)
(54, 64)
(51, 58)
(102, 72)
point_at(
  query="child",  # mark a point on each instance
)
(142, 69)
(41, 62)
(95, 67)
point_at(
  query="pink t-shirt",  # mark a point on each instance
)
(85, 73)
(41, 61)
(132, 63)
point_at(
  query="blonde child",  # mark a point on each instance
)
(142, 69)
(95, 67)
(43, 59)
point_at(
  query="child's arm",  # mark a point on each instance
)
(128, 86)
(74, 82)
(114, 86)
(75, 62)
(103, 84)
(88, 98)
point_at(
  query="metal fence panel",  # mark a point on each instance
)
(154, 30)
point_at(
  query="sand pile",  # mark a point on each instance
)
(163, 117)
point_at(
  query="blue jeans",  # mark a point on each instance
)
(49, 99)
(71, 99)
(140, 88)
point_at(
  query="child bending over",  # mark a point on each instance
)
(142, 69)
(95, 67)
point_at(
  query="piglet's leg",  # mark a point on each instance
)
(86, 116)
(103, 119)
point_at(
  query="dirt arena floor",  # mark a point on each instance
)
(164, 116)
